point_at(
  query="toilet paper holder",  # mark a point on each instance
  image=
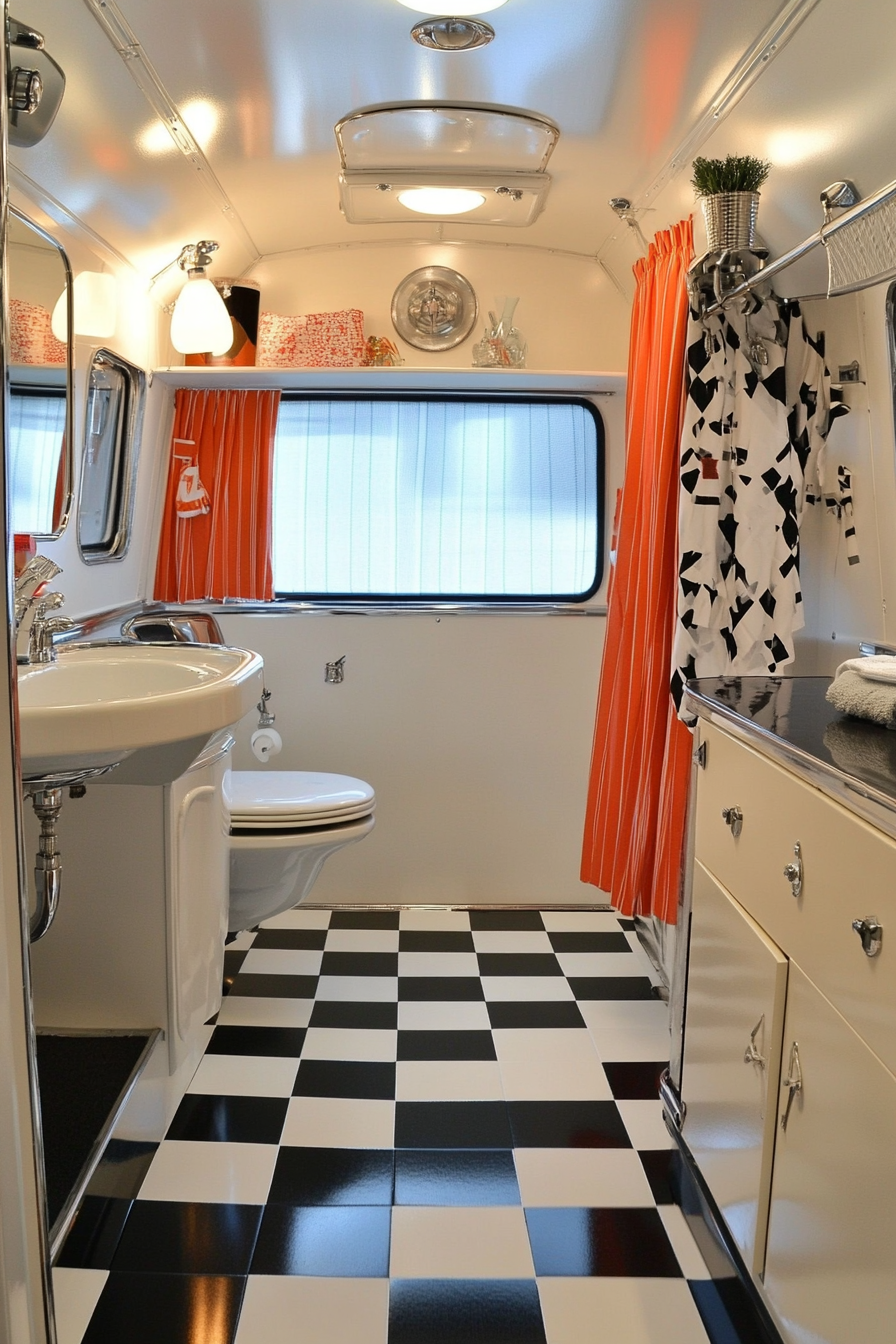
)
(265, 717)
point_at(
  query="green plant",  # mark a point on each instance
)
(734, 173)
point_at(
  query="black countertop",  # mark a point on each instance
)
(790, 718)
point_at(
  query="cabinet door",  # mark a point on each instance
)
(831, 1265)
(737, 981)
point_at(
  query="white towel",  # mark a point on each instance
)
(879, 667)
(852, 693)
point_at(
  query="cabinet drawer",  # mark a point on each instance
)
(849, 873)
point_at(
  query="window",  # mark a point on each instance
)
(109, 460)
(429, 498)
(36, 437)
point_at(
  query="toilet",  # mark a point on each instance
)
(283, 825)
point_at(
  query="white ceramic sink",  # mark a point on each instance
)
(98, 705)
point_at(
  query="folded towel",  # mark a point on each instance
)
(878, 667)
(852, 694)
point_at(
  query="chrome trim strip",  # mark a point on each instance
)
(278, 608)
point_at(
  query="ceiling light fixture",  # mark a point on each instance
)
(453, 34)
(200, 322)
(441, 200)
(458, 9)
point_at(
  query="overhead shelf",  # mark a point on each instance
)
(395, 379)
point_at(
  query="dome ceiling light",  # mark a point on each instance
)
(441, 200)
(453, 34)
(459, 8)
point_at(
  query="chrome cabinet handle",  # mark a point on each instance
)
(794, 871)
(751, 1054)
(793, 1081)
(733, 817)
(871, 934)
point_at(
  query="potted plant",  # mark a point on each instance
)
(728, 190)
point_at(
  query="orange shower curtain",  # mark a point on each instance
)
(637, 797)
(216, 525)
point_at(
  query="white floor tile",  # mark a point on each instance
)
(210, 1173)
(645, 1125)
(299, 919)
(244, 1010)
(579, 1079)
(76, 1293)
(279, 1310)
(597, 963)
(525, 988)
(358, 988)
(590, 1178)
(546, 1045)
(445, 1243)
(619, 1044)
(245, 1076)
(448, 1080)
(438, 963)
(347, 1043)
(242, 942)
(280, 961)
(431, 921)
(511, 940)
(580, 921)
(693, 1266)
(362, 940)
(462, 1015)
(627, 1014)
(619, 1311)
(339, 1122)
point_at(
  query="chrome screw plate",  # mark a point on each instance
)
(871, 933)
(794, 871)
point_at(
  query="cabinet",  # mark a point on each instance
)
(784, 1008)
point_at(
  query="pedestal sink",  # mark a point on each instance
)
(98, 705)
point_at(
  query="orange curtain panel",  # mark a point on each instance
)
(216, 525)
(637, 796)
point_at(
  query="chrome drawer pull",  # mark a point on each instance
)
(794, 871)
(793, 1081)
(733, 817)
(751, 1054)
(871, 934)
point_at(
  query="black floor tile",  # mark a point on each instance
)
(628, 924)
(611, 987)
(210, 1119)
(232, 963)
(588, 942)
(361, 1016)
(567, 1124)
(419, 940)
(619, 1243)
(550, 1013)
(124, 1164)
(729, 1313)
(324, 1242)
(446, 1045)
(274, 986)
(465, 1178)
(518, 963)
(439, 988)
(151, 1308)
(452, 1124)
(662, 1167)
(95, 1233)
(345, 1078)
(635, 1081)
(465, 1311)
(311, 1176)
(360, 963)
(272, 1042)
(364, 919)
(292, 940)
(522, 920)
(164, 1237)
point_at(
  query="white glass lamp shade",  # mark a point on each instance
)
(96, 307)
(200, 322)
(441, 200)
(458, 9)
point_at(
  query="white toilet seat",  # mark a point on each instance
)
(295, 800)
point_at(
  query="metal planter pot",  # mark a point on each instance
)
(730, 220)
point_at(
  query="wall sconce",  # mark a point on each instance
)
(96, 307)
(200, 322)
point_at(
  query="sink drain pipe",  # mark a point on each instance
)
(48, 864)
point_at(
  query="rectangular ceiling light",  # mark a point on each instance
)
(514, 199)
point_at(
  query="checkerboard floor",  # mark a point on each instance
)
(409, 1127)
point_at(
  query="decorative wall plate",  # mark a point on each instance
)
(434, 308)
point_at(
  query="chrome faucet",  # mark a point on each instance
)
(34, 627)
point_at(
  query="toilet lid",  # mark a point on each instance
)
(278, 799)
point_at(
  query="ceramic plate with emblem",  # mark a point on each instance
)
(434, 308)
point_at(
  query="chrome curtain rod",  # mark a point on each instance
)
(801, 250)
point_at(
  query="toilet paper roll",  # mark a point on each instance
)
(265, 743)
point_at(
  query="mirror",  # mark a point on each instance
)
(40, 382)
(115, 392)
